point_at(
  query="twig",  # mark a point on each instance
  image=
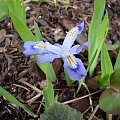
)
(95, 110)
(86, 110)
(33, 99)
(73, 100)
(31, 86)
(21, 87)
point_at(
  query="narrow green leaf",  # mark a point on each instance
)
(59, 111)
(101, 37)
(4, 10)
(37, 31)
(47, 68)
(117, 63)
(103, 82)
(106, 65)
(49, 97)
(22, 29)
(11, 5)
(20, 10)
(102, 31)
(13, 100)
(99, 6)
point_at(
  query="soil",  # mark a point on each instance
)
(16, 70)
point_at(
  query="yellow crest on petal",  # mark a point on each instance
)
(71, 61)
(41, 46)
(73, 32)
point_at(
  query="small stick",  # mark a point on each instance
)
(95, 110)
(30, 101)
(86, 110)
(73, 100)
(31, 86)
(21, 87)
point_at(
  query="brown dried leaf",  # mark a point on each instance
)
(2, 33)
(9, 60)
(1, 40)
(58, 34)
(7, 42)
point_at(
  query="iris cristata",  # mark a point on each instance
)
(66, 51)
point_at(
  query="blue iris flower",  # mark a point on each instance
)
(66, 51)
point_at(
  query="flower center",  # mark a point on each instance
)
(71, 62)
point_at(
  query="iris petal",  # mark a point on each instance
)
(30, 48)
(78, 48)
(73, 50)
(72, 35)
(47, 58)
(75, 74)
(54, 48)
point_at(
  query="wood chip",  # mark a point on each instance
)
(2, 33)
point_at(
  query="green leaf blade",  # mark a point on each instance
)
(21, 28)
(99, 6)
(117, 63)
(37, 31)
(13, 100)
(4, 10)
(49, 97)
(106, 65)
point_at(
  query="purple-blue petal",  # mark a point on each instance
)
(53, 48)
(30, 50)
(59, 45)
(47, 58)
(80, 27)
(79, 49)
(78, 73)
(73, 50)
(72, 35)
